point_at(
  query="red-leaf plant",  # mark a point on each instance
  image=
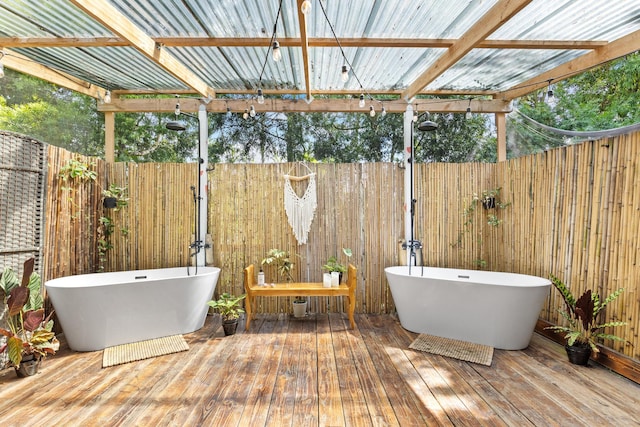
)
(581, 314)
(30, 332)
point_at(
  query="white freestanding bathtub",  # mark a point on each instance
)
(101, 310)
(483, 307)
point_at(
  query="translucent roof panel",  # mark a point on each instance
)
(390, 45)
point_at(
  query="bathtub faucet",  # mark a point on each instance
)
(413, 245)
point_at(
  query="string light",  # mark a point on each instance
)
(177, 111)
(383, 112)
(260, 97)
(549, 91)
(107, 97)
(228, 111)
(305, 7)
(361, 102)
(245, 115)
(345, 73)
(277, 55)
(372, 112)
(252, 111)
(468, 115)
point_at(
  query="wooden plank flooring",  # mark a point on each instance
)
(317, 371)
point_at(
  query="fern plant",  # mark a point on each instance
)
(581, 315)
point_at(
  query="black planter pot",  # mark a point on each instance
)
(489, 203)
(578, 354)
(28, 366)
(110, 202)
(229, 327)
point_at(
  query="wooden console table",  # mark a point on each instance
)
(298, 289)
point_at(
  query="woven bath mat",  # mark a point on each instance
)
(463, 350)
(140, 350)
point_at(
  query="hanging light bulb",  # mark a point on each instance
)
(361, 103)
(107, 97)
(468, 115)
(245, 115)
(252, 111)
(383, 112)
(372, 112)
(345, 73)
(415, 116)
(1, 66)
(549, 90)
(177, 111)
(305, 7)
(260, 97)
(228, 112)
(277, 55)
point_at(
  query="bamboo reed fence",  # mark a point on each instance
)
(573, 212)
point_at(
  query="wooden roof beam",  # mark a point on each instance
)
(304, 44)
(498, 15)
(616, 49)
(167, 105)
(33, 42)
(20, 63)
(103, 12)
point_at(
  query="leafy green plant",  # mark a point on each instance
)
(333, 264)
(228, 306)
(30, 332)
(76, 169)
(490, 200)
(282, 262)
(118, 193)
(580, 314)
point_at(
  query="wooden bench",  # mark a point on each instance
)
(298, 289)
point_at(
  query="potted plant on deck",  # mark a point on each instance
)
(583, 328)
(30, 336)
(229, 308)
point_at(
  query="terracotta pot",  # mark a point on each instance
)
(578, 354)
(28, 366)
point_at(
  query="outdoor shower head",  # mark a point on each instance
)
(175, 125)
(427, 126)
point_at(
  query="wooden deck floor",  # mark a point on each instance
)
(317, 371)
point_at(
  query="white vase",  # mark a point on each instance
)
(326, 280)
(335, 279)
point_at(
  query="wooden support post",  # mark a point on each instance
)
(501, 130)
(109, 137)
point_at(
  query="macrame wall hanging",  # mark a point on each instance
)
(300, 210)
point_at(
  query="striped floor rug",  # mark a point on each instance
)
(462, 350)
(125, 353)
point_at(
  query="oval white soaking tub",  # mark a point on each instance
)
(483, 307)
(101, 310)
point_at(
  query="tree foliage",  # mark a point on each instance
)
(603, 98)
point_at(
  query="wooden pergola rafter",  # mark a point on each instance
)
(158, 50)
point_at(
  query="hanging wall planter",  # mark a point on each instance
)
(489, 203)
(110, 202)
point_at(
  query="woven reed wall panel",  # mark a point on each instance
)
(73, 210)
(573, 212)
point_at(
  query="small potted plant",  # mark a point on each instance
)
(114, 197)
(583, 329)
(333, 265)
(283, 264)
(229, 308)
(30, 336)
